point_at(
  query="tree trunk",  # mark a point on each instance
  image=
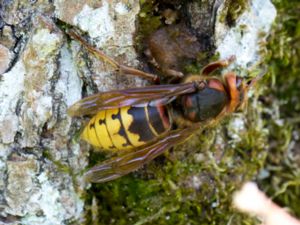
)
(43, 73)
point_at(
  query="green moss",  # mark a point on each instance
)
(233, 9)
(148, 22)
(281, 174)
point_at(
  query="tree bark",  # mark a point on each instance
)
(43, 73)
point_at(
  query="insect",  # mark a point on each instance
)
(142, 123)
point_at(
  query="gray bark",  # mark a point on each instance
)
(42, 74)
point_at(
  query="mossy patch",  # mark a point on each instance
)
(148, 22)
(233, 9)
(281, 175)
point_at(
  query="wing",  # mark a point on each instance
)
(134, 96)
(119, 166)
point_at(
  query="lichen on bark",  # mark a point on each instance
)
(33, 122)
(45, 72)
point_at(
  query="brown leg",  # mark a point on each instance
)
(176, 75)
(121, 68)
(211, 67)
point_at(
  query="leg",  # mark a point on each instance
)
(121, 68)
(170, 73)
(211, 67)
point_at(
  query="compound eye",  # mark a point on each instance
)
(238, 83)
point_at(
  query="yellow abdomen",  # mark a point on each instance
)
(127, 127)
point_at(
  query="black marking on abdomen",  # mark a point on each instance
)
(140, 124)
(92, 125)
(155, 119)
(102, 121)
(122, 131)
(95, 130)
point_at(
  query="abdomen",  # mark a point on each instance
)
(127, 127)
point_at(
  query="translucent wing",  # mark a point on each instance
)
(122, 165)
(133, 96)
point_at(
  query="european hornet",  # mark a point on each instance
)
(142, 123)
